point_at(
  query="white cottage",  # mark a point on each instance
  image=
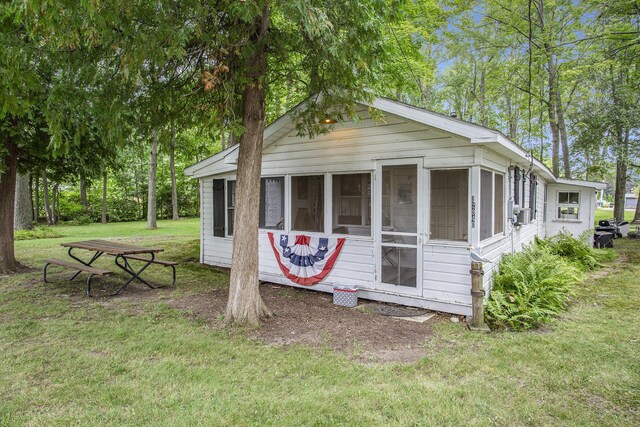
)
(413, 196)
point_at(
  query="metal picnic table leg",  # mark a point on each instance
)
(97, 255)
(134, 275)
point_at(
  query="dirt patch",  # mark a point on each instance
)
(310, 318)
(302, 317)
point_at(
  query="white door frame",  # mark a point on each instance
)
(420, 219)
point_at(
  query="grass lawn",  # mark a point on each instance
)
(66, 359)
(604, 213)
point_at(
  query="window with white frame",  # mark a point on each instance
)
(272, 203)
(491, 204)
(307, 203)
(351, 204)
(568, 204)
(449, 206)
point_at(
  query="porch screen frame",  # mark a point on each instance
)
(428, 205)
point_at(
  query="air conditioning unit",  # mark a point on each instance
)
(524, 217)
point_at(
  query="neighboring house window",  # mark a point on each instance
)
(307, 203)
(491, 204)
(218, 208)
(231, 206)
(272, 203)
(568, 204)
(449, 210)
(352, 204)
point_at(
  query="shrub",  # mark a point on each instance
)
(577, 251)
(530, 288)
(38, 232)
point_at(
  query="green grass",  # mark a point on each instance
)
(38, 232)
(608, 214)
(78, 361)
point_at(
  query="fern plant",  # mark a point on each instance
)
(577, 251)
(530, 288)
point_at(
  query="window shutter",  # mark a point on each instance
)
(533, 190)
(218, 207)
(516, 185)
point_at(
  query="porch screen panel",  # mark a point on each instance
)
(352, 204)
(486, 204)
(400, 198)
(272, 203)
(218, 207)
(399, 209)
(498, 214)
(307, 203)
(449, 207)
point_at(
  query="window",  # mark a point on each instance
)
(491, 204)
(307, 203)
(449, 204)
(352, 204)
(218, 208)
(231, 205)
(568, 204)
(272, 203)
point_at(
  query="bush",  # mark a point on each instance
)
(38, 232)
(530, 288)
(577, 251)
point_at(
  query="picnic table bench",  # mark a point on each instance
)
(80, 267)
(122, 252)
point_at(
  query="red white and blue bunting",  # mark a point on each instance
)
(305, 260)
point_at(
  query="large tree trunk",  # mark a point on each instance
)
(8, 263)
(36, 215)
(23, 211)
(553, 122)
(104, 196)
(55, 205)
(153, 166)
(172, 168)
(552, 81)
(621, 175)
(636, 215)
(45, 195)
(245, 305)
(83, 191)
(33, 214)
(562, 127)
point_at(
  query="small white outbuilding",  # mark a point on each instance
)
(412, 196)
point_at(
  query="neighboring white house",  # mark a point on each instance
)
(630, 201)
(413, 195)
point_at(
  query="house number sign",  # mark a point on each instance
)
(473, 212)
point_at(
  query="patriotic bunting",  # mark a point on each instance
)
(305, 260)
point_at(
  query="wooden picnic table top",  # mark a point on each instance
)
(111, 248)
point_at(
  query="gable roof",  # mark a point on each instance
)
(476, 134)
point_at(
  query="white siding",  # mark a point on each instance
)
(446, 281)
(515, 237)
(215, 250)
(446, 275)
(586, 214)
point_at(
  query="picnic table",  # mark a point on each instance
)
(123, 253)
